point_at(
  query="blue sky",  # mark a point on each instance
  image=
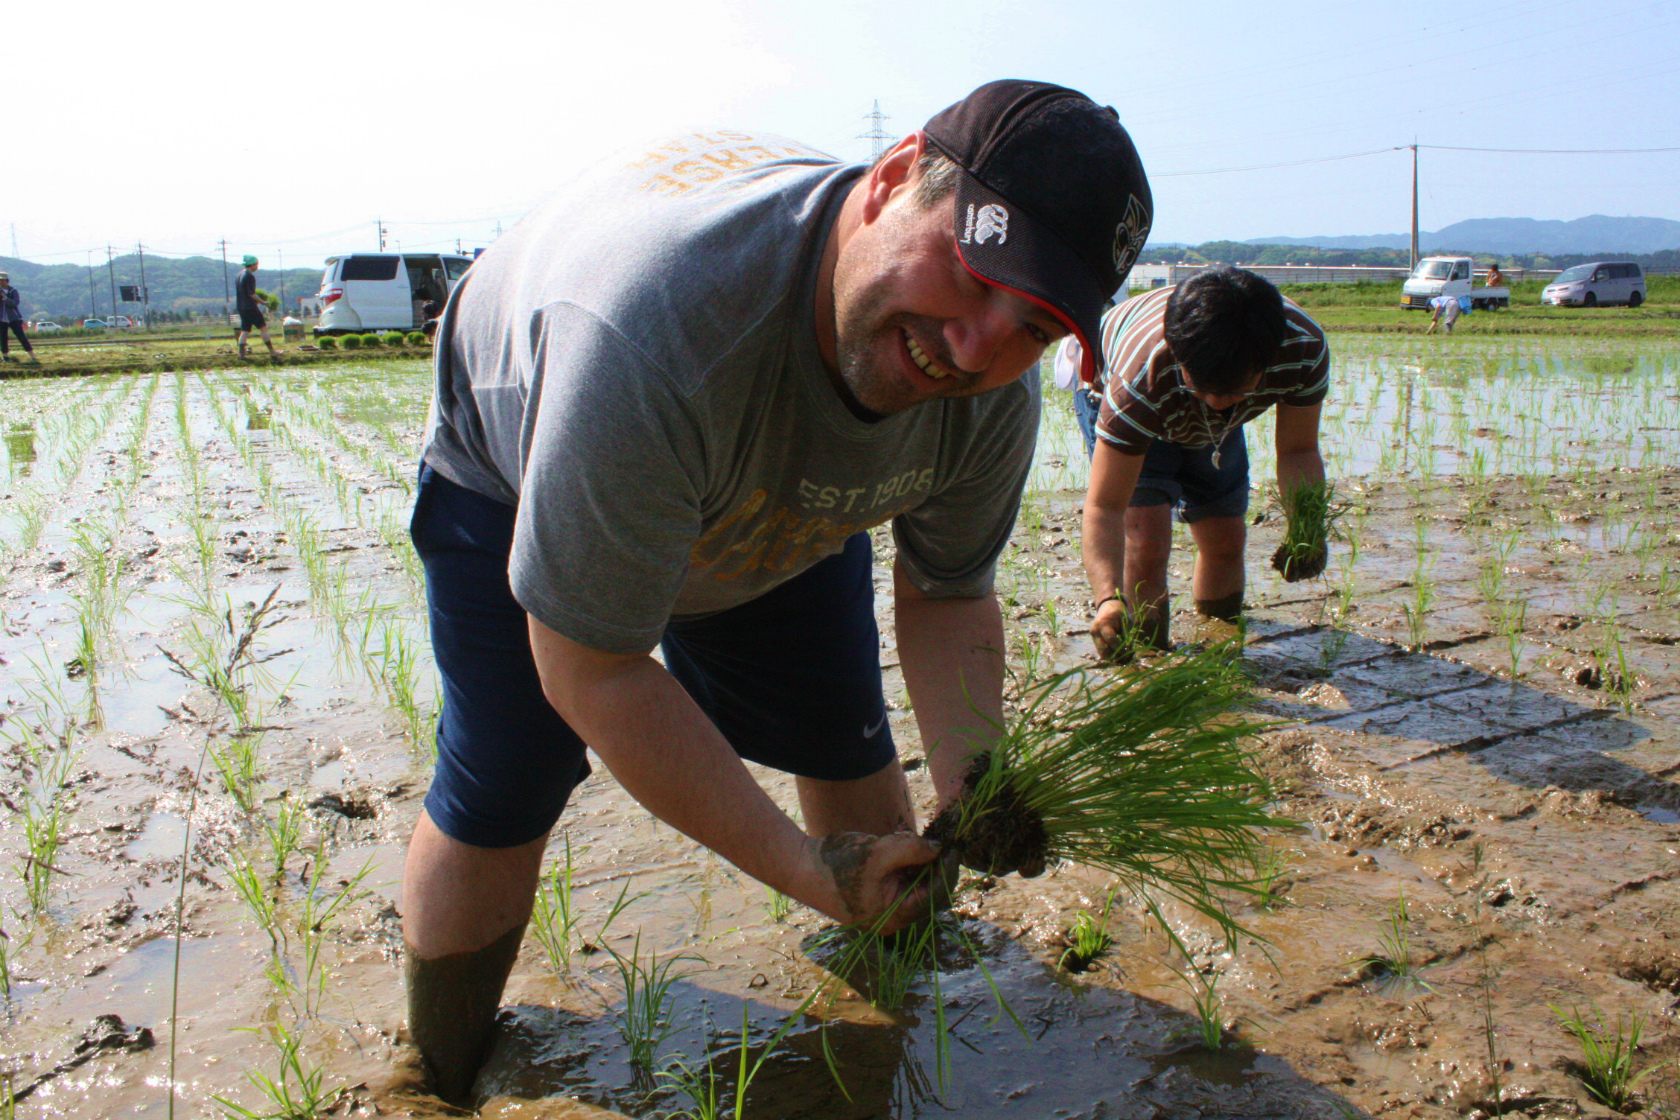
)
(444, 119)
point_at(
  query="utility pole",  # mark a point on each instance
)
(379, 224)
(145, 296)
(457, 246)
(877, 137)
(282, 255)
(1414, 207)
(226, 313)
(14, 241)
(93, 306)
(498, 228)
(111, 269)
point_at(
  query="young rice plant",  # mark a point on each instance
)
(1140, 772)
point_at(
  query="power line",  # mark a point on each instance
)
(1421, 147)
(1551, 151)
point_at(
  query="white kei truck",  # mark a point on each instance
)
(1448, 276)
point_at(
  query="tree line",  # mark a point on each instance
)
(179, 287)
(1243, 253)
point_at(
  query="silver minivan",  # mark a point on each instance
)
(1588, 285)
(385, 291)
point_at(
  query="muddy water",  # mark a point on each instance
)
(1478, 731)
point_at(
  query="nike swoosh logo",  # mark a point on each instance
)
(870, 732)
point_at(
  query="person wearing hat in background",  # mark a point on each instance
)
(11, 320)
(1065, 368)
(251, 315)
(670, 404)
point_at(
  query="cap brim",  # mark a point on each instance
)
(1004, 246)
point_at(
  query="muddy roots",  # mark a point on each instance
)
(1001, 836)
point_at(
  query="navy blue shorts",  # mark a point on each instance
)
(1185, 477)
(792, 679)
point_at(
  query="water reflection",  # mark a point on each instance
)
(20, 446)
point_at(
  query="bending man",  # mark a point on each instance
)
(1186, 368)
(669, 406)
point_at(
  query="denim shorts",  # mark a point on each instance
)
(792, 679)
(1186, 478)
(1087, 404)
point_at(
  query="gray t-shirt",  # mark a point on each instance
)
(636, 367)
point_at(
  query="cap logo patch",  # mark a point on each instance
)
(991, 219)
(1130, 235)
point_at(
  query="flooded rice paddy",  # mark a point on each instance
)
(210, 616)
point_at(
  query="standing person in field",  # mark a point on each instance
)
(250, 310)
(670, 404)
(11, 320)
(1185, 368)
(1087, 399)
(1495, 278)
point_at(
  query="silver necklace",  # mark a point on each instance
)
(1219, 440)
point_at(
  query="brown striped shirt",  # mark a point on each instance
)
(1144, 394)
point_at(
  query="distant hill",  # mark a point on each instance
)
(193, 284)
(1590, 235)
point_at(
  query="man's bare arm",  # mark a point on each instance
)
(952, 654)
(1114, 476)
(1299, 464)
(1298, 457)
(671, 758)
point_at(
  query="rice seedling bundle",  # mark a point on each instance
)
(1141, 772)
(1311, 510)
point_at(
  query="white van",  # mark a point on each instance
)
(385, 291)
(1589, 285)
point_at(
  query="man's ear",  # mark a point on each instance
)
(894, 173)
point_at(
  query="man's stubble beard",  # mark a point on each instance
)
(866, 373)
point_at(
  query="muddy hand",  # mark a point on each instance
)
(1111, 628)
(883, 881)
(1296, 568)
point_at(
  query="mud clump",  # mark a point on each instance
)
(1006, 835)
(1654, 966)
(1295, 564)
(354, 807)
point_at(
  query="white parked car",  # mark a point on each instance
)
(385, 291)
(46, 326)
(1588, 285)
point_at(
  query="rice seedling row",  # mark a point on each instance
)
(1504, 768)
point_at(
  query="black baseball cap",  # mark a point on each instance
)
(1052, 204)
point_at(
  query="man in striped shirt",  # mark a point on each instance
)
(1184, 369)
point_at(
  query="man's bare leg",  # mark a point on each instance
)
(1218, 580)
(464, 915)
(1148, 548)
(878, 804)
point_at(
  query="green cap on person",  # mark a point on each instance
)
(249, 260)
